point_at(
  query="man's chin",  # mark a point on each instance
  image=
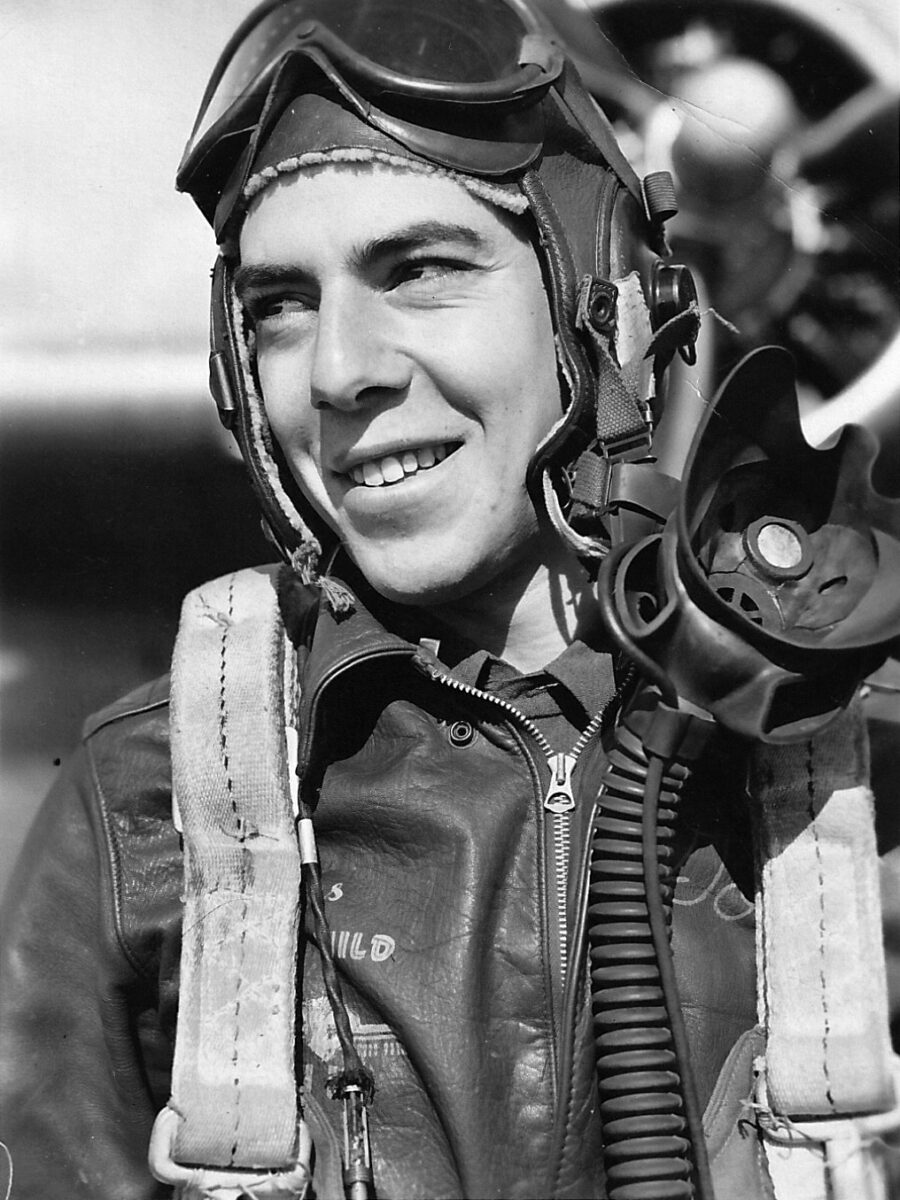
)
(421, 592)
(434, 585)
(421, 582)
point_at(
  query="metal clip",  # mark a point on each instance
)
(626, 448)
(358, 1178)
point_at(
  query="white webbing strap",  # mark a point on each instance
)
(826, 1159)
(233, 1084)
(821, 974)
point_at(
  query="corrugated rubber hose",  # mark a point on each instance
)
(653, 1138)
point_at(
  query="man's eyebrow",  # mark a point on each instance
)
(418, 237)
(248, 278)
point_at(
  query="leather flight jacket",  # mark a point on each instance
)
(451, 914)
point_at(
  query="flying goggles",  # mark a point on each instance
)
(460, 84)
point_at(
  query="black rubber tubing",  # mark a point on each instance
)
(654, 1147)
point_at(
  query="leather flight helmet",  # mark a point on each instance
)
(482, 90)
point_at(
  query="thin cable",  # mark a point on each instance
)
(354, 1087)
(352, 1062)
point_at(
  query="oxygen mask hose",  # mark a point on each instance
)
(652, 1124)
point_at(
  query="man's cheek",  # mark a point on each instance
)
(326, 501)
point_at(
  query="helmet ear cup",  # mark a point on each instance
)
(594, 247)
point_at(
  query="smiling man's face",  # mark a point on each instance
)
(406, 359)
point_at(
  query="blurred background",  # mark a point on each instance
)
(118, 489)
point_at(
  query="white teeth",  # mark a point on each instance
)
(392, 468)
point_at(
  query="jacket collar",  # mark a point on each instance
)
(376, 628)
(340, 643)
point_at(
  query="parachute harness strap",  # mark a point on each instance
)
(816, 843)
(828, 1085)
(833, 1158)
(234, 1098)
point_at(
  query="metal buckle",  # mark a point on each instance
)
(225, 1183)
(627, 446)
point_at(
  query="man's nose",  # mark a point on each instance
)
(356, 355)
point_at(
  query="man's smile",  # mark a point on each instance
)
(384, 470)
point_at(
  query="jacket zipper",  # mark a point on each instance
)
(559, 798)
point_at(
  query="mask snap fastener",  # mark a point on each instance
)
(461, 733)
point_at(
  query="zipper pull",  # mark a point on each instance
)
(560, 798)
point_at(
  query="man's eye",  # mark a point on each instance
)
(430, 271)
(274, 310)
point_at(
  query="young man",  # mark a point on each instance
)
(429, 315)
